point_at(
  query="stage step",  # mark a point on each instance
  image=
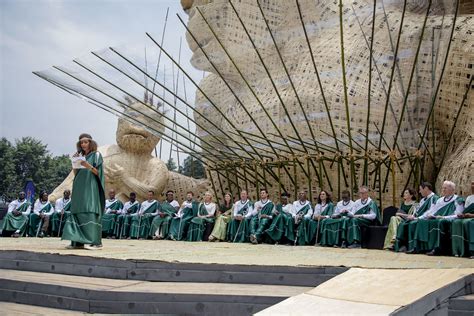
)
(461, 306)
(140, 270)
(101, 295)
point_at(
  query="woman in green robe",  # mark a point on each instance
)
(407, 208)
(88, 199)
(205, 216)
(224, 216)
(322, 211)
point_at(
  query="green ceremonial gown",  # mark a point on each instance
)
(353, 224)
(161, 223)
(141, 221)
(282, 225)
(259, 224)
(238, 231)
(83, 226)
(34, 220)
(122, 224)
(109, 220)
(57, 224)
(462, 234)
(406, 229)
(179, 225)
(435, 233)
(220, 227)
(197, 226)
(297, 224)
(311, 225)
(395, 221)
(18, 222)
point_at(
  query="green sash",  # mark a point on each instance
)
(469, 209)
(202, 209)
(67, 206)
(116, 205)
(304, 209)
(167, 208)
(449, 208)
(267, 209)
(366, 210)
(427, 205)
(151, 208)
(23, 207)
(328, 210)
(245, 208)
(134, 208)
(46, 207)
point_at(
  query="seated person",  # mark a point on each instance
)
(38, 221)
(407, 208)
(432, 234)
(140, 221)
(301, 208)
(281, 228)
(261, 217)
(16, 219)
(224, 216)
(364, 213)
(62, 210)
(322, 211)
(237, 230)
(122, 224)
(204, 216)
(161, 223)
(113, 207)
(331, 232)
(406, 229)
(462, 230)
(179, 223)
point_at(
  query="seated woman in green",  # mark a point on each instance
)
(314, 219)
(224, 216)
(16, 220)
(407, 208)
(205, 216)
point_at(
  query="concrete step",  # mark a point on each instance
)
(461, 305)
(166, 271)
(101, 295)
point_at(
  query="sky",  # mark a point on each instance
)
(37, 34)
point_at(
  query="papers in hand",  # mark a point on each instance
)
(76, 162)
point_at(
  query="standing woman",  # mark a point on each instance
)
(224, 216)
(88, 199)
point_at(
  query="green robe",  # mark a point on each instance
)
(197, 226)
(282, 226)
(462, 234)
(109, 220)
(18, 222)
(258, 224)
(311, 226)
(122, 224)
(57, 224)
(299, 228)
(238, 231)
(140, 224)
(161, 223)
(220, 227)
(179, 225)
(395, 221)
(406, 229)
(34, 220)
(433, 234)
(83, 226)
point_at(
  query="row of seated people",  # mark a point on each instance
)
(432, 226)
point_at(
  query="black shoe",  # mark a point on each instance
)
(354, 246)
(41, 235)
(344, 244)
(433, 252)
(410, 251)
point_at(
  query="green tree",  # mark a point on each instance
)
(8, 179)
(171, 165)
(193, 168)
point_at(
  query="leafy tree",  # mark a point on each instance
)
(193, 168)
(29, 159)
(171, 165)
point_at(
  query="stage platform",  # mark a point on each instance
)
(202, 278)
